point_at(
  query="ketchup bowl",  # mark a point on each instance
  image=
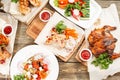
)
(85, 54)
(7, 30)
(45, 15)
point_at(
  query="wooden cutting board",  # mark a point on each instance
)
(77, 55)
(36, 27)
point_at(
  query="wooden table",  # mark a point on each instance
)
(71, 70)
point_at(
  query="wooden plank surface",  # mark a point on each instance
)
(72, 69)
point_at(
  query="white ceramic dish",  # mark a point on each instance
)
(47, 31)
(3, 32)
(89, 53)
(95, 11)
(25, 53)
(12, 8)
(40, 15)
(8, 19)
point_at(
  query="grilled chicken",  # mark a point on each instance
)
(24, 7)
(35, 2)
(4, 41)
(101, 40)
(4, 54)
(56, 38)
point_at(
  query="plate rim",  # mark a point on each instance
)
(38, 46)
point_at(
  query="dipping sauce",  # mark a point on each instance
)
(45, 15)
(85, 54)
(7, 30)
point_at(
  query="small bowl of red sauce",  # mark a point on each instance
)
(7, 29)
(85, 54)
(45, 15)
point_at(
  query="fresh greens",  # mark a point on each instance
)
(85, 13)
(83, 8)
(103, 61)
(15, 1)
(19, 77)
(60, 27)
(69, 7)
(56, 3)
(68, 10)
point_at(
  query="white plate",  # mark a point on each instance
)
(8, 19)
(25, 53)
(47, 31)
(95, 11)
(23, 18)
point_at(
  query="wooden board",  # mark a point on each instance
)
(77, 55)
(74, 50)
(36, 26)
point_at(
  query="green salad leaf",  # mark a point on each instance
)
(19, 77)
(15, 1)
(103, 61)
(56, 3)
(86, 13)
(60, 26)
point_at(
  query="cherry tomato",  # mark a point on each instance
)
(45, 67)
(2, 61)
(63, 2)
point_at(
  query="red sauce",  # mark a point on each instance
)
(7, 29)
(85, 54)
(45, 15)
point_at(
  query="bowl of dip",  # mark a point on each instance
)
(45, 15)
(85, 54)
(7, 30)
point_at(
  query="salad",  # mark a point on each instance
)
(33, 69)
(78, 9)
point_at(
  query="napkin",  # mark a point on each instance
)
(109, 16)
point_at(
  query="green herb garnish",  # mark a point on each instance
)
(56, 3)
(15, 1)
(103, 61)
(19, 77)
(60, 27)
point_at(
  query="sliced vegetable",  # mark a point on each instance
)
(76, 14)
(103, 61)
(71, 32)
(35, 64)
(62, 3)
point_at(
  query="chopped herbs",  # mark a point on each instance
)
(103, 61)
(19, 77)
(60, 27)
(56, 3)
(15, 1)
